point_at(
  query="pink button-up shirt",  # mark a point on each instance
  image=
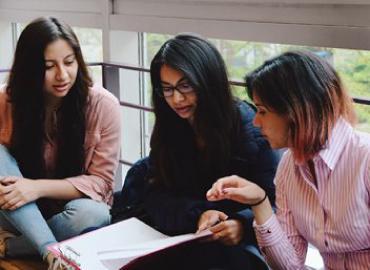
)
(102, 143)
(333, 215)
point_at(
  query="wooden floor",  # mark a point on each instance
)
(30, 264)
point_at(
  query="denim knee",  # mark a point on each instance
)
(8, 165)
(79, 215)
(88, 213)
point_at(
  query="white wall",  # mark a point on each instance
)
(330, 23)
(86, 13)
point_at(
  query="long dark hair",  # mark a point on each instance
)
(307, 91)
(25, 91)
(216, 119)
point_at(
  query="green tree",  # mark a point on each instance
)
(241, 57)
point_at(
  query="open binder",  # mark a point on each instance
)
(123, 245)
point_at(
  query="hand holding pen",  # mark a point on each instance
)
(210, 218)
(227, 231)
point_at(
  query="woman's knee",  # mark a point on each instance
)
(5, 155)
(8, 165)
(87, 213)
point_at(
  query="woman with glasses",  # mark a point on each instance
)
(202, 133)
(59, 144)
(323, 182)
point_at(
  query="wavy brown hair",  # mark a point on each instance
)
(307, 91)
(25, 91)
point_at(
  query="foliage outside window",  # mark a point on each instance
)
(91, 41)
(242, 57)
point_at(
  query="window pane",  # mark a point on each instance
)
(353, 65)
(91, 41)
(152, 44)
(6, 49)
(363, 117)
(242, 57)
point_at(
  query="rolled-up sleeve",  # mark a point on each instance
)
(101, 149)
(280, 241)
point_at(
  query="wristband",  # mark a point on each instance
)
(259, 202)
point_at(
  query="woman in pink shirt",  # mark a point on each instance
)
(59, 144)
(322, 182)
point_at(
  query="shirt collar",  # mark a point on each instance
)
(337, 140)
(334, 147)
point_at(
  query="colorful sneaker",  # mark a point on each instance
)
(55, 263)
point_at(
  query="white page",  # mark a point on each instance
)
(84, 248)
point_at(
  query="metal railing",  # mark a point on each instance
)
(108, 67)
(110, 73)
(359, 100)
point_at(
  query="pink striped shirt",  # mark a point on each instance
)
(333, 215)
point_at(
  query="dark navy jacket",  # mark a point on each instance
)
(177, 210)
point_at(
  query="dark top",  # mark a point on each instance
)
(177, 210)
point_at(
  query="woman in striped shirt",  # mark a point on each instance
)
(322, 182)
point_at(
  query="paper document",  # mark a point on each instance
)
(117, 245)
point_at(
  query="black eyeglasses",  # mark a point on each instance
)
(167, 91)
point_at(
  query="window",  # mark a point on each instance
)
(91, 41)
(242, 57)
(6, 49)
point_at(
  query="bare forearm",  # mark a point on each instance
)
(57, 189)
(262, 212)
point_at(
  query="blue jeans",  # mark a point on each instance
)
(33, 232)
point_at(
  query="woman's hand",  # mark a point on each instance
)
(229, 232)
(210, 218)
(16, 192)
(237, 189)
